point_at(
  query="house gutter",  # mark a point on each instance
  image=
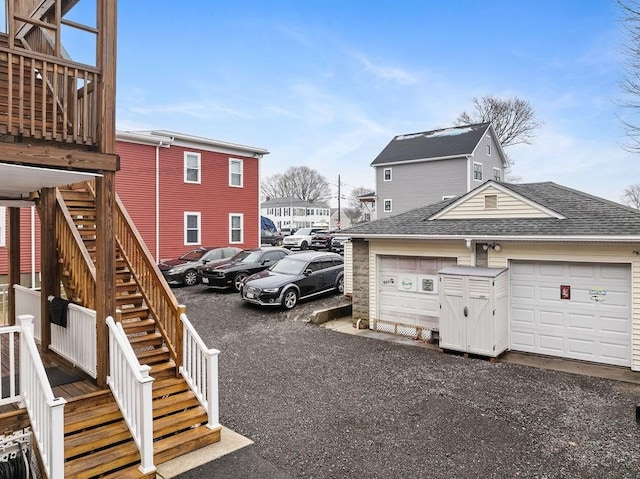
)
(420, 160)
(466, 238)
(161, 144)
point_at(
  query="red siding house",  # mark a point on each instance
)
(181, 191)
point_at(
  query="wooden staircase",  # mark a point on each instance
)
(97, 442)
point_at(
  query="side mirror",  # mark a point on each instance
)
(307, 272)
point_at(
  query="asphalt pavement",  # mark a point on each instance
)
(318, 403)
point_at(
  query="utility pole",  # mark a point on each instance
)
(339, 225)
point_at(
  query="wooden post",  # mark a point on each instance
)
(105, 268)
(50, 284)
(14, 260)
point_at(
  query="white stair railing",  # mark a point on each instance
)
(131, 386)
(200, 370)
(77, 342)
(28, 302)
(4, 304)
(46, 412)
(9, 388)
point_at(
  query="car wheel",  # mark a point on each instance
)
(237, 280)
(190, 278)
(290, 299)
(304, 245)
(279, 242)
(340, 285)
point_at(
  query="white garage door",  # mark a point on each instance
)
(573, 310)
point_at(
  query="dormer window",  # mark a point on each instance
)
(490, 202)
(387, 174)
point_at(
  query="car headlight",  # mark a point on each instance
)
(270, 290)
(176, 269)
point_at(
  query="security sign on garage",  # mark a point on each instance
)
(573, 310)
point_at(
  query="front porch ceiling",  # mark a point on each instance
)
(17, 182)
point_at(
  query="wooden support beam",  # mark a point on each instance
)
(50, 284)
(14, 260)
(54, 157)
(105, 268)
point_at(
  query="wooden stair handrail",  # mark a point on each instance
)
(157, 293)
(74, 255)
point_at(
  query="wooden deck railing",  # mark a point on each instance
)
(75, 259)
(47, 97)
(157, 293)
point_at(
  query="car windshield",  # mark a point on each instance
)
(211, 255)
(192, 255)
(249, 257)
(303, 232)
(289, 266)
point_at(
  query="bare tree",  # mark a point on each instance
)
(630, 84)
(631, 196)
(355, 209)
(299, 182)
(513, 119)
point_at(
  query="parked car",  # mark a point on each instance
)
(183, 270)
(271, 238)
(337, 244)
(295, 277)
(301, 239)
(232, 272)
(321, 240)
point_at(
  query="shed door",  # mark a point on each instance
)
(573, 310)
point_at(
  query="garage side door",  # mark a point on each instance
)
(573, 310)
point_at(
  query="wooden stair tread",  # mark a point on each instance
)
(92, 416)
(166, 425)
(171, 447)
(103, 461)
(92, 439)
(168, 386)
(177, 402)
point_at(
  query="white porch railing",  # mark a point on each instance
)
(200, 370)
(46, 412)
(9, 387)
(131, 386)
(28, 302)
(77, 342)
(4, 304)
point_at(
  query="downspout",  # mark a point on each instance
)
(469, 172)
(157, 219)
(33, 247)
(472, 249)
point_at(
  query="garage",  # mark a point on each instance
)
(572, 310)
(408, 300)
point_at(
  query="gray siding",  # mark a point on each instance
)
(419, 184)
(489, 162)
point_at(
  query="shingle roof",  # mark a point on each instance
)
(446, 142)
(586, 216)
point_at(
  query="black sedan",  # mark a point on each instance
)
(231, 273)
(295, 277)
(182, 270)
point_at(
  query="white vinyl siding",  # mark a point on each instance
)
(235, 173)
(192, 228)
(236, 228)
(192, 167)
(509, 207)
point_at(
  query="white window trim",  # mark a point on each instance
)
(197, 214)
(494, 173)
(232, 161)
(199, 157)
(384, 174)
(384, 205)
(231, 216)
(474, 171)
(488, 145)
(3, 225)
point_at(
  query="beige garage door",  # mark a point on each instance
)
(573, 310)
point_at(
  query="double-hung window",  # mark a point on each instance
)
(387, 174)
(235, 173)
(387, 205)
(477, 171)
(191, 228)
(235, 228)
(497, 174)
(191, 167)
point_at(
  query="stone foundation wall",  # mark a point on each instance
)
(360, 300)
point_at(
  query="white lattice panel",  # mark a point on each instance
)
(406, 330)
(385, 327)
(425, 334)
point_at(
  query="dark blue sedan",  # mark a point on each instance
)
(295, 277)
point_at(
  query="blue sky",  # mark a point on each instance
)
(327, 84)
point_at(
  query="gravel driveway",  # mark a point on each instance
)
(323, 404)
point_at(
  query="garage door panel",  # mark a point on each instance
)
(578, 327)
